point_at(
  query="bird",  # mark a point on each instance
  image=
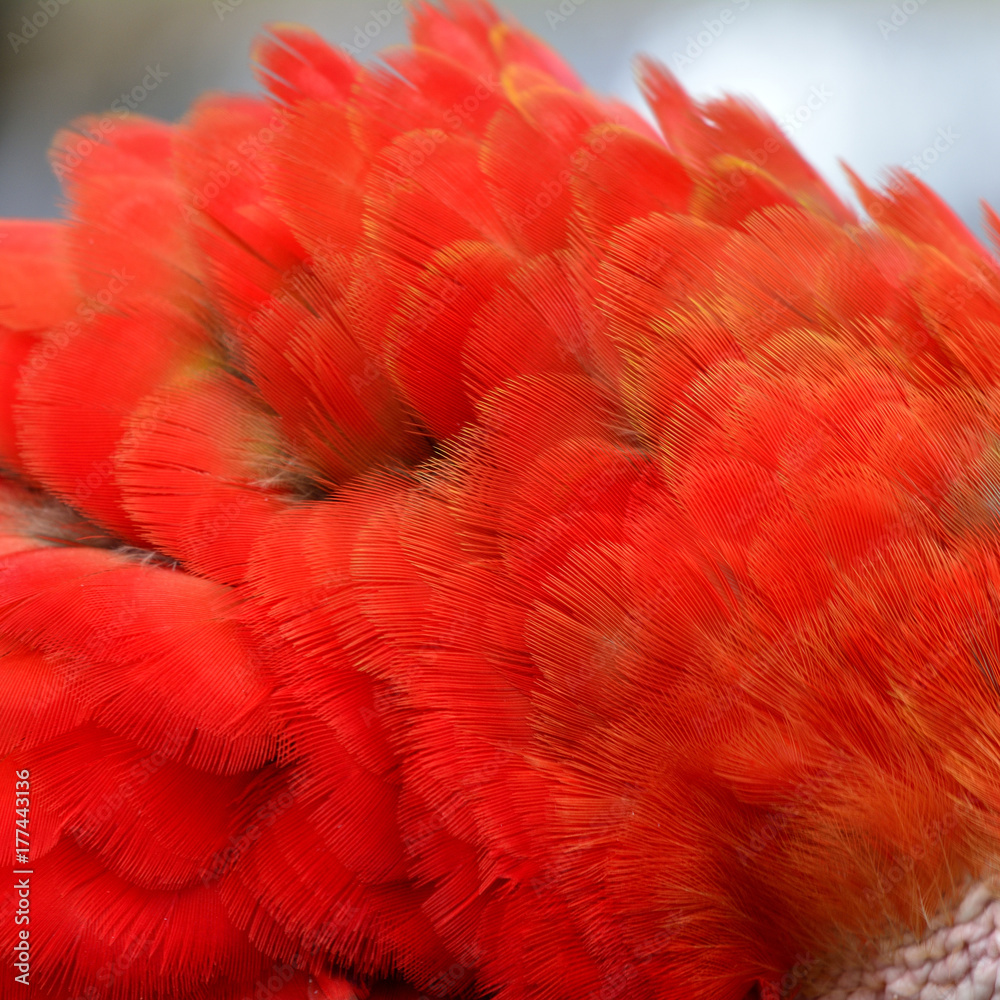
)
(460, 537)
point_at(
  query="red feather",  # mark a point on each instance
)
(458, 540)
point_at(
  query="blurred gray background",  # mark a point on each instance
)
(874, 82)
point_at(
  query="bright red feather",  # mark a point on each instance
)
(457, 540)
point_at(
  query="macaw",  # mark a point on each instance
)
(460, 539)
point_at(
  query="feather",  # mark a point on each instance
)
(475, 544)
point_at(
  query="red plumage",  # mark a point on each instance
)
(457, 539)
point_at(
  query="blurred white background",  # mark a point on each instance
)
(873, 82)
